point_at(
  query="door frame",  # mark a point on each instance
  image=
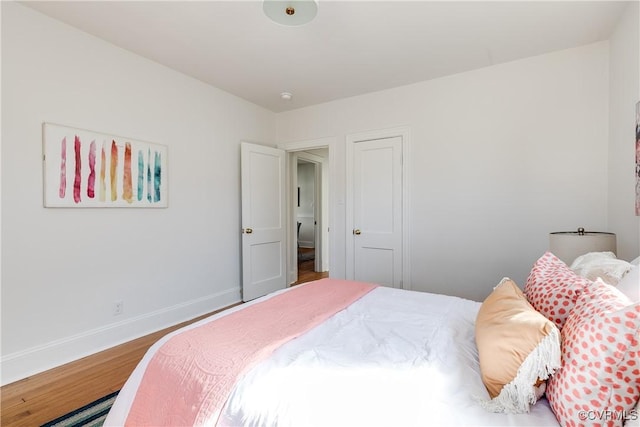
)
(291, 162)
(404, 133)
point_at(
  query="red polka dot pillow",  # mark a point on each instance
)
(599, 381)
(552, 288)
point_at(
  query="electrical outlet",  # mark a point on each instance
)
(118, 307)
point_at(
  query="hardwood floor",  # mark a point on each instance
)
(51, 394)
(305, 269)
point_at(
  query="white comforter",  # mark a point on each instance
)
(393, 358)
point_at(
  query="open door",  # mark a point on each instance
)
(263, 220)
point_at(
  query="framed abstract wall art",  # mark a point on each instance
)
(637, 151)
(89, 169)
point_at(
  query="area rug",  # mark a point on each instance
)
(91, 415)
(307, 256)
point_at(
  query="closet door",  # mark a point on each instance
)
(377, 211)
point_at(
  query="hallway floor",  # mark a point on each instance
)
(305, 267)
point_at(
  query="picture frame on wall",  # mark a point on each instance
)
(87, 169)
(637, 153)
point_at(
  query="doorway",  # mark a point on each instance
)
(306, 214)
(309, 222)
(308, 246)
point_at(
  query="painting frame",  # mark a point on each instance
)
(89, 169)
(637, 156)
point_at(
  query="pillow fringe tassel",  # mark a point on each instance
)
(517, 396)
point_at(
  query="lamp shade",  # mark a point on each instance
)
(568, 245)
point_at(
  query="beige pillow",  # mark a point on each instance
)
(517, 347)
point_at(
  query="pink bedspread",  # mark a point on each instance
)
(190, 377)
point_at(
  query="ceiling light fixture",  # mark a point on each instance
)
(290, 12)
(286, 96)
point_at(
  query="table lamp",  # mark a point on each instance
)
(568, 245)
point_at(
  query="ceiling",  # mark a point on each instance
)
(351, 48)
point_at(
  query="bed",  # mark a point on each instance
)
(390, 357)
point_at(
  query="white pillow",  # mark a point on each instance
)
(604, 265)
(630, 284)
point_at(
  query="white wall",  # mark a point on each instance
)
(500, 157)
(62, 269)
(624, 92)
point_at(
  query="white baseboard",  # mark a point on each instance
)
(31, 361)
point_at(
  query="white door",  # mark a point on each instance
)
(263, 220)
(377, 211)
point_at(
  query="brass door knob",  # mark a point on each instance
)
(248, 230)
(357, 232)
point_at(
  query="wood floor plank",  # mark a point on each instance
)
(40, 398)
(43, 397)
